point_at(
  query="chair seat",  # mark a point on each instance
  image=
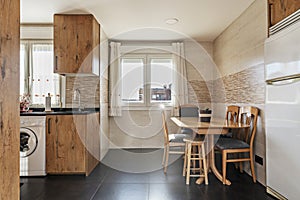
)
(230, 143)
(196, 140)
(178, 138)
(227, 135)
(186, 131)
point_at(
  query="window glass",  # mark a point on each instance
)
(161, 80)
(146, 79)
(36, 66)
(44, 80)
(132, 80)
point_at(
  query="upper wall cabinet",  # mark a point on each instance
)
(76, 44)
(280, 9)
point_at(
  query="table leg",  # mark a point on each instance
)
(211, 161)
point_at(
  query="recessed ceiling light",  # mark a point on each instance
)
(172, 21)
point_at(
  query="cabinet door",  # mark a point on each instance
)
(280, 9)
(65, 144)
(73, 43)
(51, 161)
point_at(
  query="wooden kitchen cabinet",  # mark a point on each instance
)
(76, 44)
(72, 146)
(280, 9)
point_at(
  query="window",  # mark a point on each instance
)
(132, 79)
(161, 79)
(36, 72)
(146, 79)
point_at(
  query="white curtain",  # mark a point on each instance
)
(42, 79)
(115, 108)
(180, 91)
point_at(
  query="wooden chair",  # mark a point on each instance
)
(227, 146)
(232, 113)
(171, 140)
(194, 156)
(188, 110)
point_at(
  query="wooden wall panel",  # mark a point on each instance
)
(9, 99)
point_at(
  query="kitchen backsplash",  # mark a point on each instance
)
(89, 91)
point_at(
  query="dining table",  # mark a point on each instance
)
(211, 129)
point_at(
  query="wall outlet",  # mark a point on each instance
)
(259, 160)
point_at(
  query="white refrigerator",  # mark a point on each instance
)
(282, 113)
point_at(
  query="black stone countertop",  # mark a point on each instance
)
(59, 111)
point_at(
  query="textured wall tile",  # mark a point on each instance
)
(103, 90)
(89, 91)
(198, 92)
(245, 87)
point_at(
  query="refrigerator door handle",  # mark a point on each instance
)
(285, 80)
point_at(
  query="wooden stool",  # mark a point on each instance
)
(194, 156)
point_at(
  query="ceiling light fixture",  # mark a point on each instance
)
(172, 21)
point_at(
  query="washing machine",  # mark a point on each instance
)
(32, 146)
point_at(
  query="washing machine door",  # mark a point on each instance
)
(28, 142)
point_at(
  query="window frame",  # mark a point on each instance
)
(147, 57)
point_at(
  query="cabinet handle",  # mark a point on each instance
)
(49, 125)
(56, 68)
(270, 14)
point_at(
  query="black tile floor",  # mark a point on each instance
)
(106, 183)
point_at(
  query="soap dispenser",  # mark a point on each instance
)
(48, 103)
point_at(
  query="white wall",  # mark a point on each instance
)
(36, 31)
(138, 129)
(104, 121)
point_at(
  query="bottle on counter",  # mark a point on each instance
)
(48, 103)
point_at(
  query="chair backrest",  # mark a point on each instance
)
(189, 110)
(166, 132)
(232, 113)
(249, 115)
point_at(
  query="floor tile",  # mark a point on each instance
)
(106, 183)
(115, 176)
(116, 191)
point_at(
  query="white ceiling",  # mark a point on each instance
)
(202, 20)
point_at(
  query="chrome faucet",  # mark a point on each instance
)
(77, 96)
